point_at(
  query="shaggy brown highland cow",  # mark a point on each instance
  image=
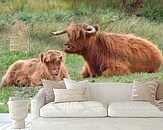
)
(30, 72)
(109, 54)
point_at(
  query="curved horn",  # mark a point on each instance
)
(59, 32)
(91, 29)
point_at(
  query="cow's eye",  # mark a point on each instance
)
(58, 62)
(47, 63)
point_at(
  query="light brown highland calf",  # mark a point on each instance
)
(110, 54)
(49, 66)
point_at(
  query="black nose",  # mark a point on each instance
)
(17, 81)
(68, 46)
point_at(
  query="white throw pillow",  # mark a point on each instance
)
(72, 84)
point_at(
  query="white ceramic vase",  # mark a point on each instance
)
(18, 110)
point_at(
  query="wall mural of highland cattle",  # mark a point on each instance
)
(102, 41)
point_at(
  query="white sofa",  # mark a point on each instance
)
(116, 111)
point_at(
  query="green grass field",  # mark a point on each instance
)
(42, 17)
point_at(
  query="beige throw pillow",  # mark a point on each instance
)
(48, 89)
(159, 93)
(70, 95)
(72, 84)
(144, 91)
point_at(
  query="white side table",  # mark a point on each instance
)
(18, 110)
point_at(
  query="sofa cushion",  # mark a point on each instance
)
(72, 84)
(159, 93)
(48, 89)
(133, 109)
(70, 95)
(74, 109)
(144, 91)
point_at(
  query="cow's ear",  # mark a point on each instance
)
(42, 57)
(63, 54)
(60, 58)
(97, 27)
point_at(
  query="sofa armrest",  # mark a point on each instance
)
(36, 103)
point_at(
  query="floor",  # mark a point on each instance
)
(8, 126)
(6, 122)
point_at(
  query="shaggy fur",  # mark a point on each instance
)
(109, 54)
(30, 72)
